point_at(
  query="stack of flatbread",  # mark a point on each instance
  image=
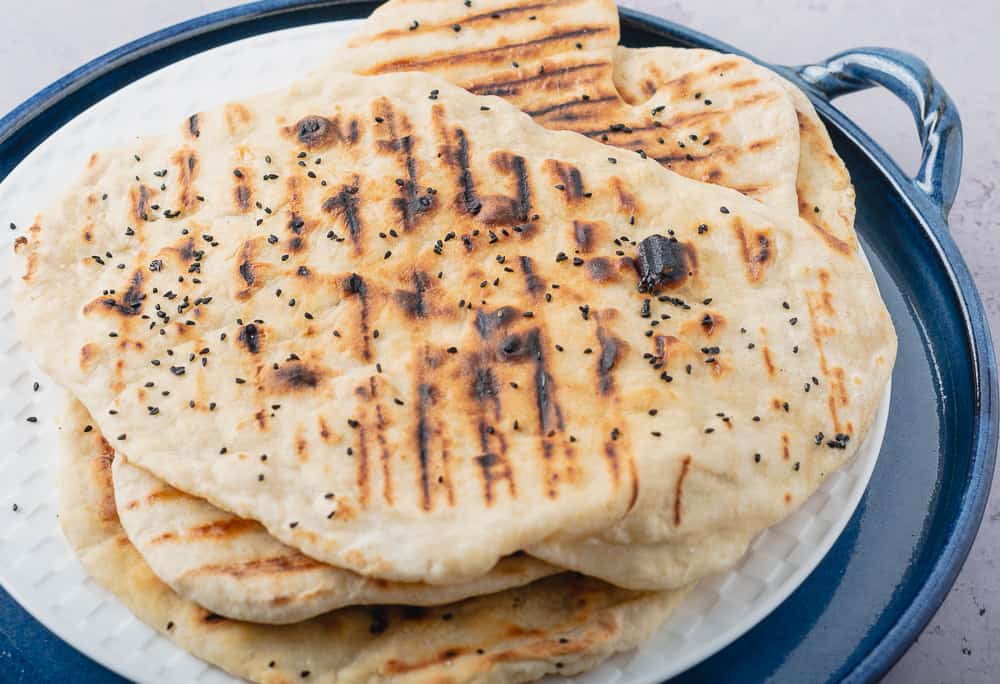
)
(460, 360)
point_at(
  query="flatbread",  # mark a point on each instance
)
(564, 624)
(233, 567)
(520, 416)
(715, 118)
(823, 184)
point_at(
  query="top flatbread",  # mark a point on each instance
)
(563, 624)
(524, 409)
(723, 120)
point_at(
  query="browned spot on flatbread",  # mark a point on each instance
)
(601, 270)
(168, 494)
(187, 168)
(585, 235)
(678, 488)
(295, 376)
(242, 191)
(250, 337)
(318, 133)
(217, 529)
(759, 250)
(128, 304)
(768, 362)
(249, 275)
(100, 471)
(276, 565)
(362, 474)
(402, 667)
(237, 118)
(567, 178)
(628, 203)
(139, 200)
(345, 205)
(192, 126)
(785, 450)
(355, 286)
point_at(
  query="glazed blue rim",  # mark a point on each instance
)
(928, 196)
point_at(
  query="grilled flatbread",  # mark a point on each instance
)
(233, 567)
(564, 624)
(477, 335)
(712, 117)
(823, 185)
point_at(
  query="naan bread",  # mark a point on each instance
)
(540, 391)
(823, 185)
(715, 118)
(564, 624)
(233, 567)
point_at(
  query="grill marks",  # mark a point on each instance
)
(501, 210)
(139, 200)
(194, 126)
(428, 430)
(758, 251)
(242, 190)
(503, 344)
(678, 489)
(568, 176)
(611, 349)
(454, 153)
(297, 226)
(372, 395)
(552, 43)
(186, 163)
(225, 528)
(820, 303)
(128, 304)
(400, 141)
(549, 412)
(513, 87)
(355, 286)
(533, 283)
(413, 303)
(345, 206)
(248, 273)
(560, 108)
(270, 567)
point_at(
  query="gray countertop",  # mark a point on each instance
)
(45, 39)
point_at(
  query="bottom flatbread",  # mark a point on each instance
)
(562, 624)
(235, 568)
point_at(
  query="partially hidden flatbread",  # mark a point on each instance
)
(233, 567)
(823, 185)
(560, 62)
(722, 120)
(478, 334)
(564, 624)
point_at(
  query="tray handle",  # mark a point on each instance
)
(908, 78)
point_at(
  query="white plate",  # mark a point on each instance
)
(39, 570)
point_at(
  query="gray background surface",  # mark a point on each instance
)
(44, 39)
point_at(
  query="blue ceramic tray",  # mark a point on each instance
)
(893, 565)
